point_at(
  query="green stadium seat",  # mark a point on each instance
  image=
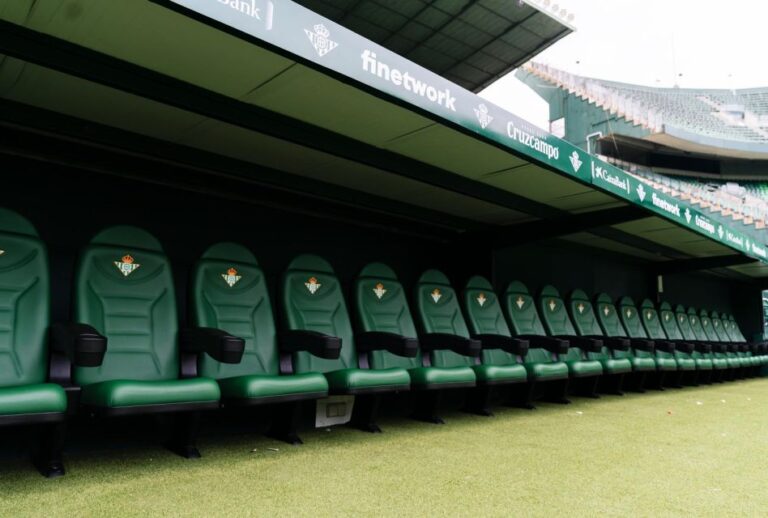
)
(716, 350)
(743, 349)
(735, 350)
(612, 355)
(547, 373)
(384, 315)
(684, 349)
(229, 298)
(640, 352)
(445, 336)
(319, 338)
(722, 349)
(632, 319)
(26, 395)
(759, 350)
(702, 351)
(665, 348)
(584, 371)
(124, 289)
(486, 321)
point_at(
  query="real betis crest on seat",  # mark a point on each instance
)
(552, 304)
(312, 285)
(520, 302)
(231, 277)
(127, 265)
(481, 299)
(379, 290)
(436, 295)
(2, 252)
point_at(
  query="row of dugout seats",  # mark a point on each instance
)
(123, 353)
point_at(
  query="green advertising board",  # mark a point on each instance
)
(307, 35)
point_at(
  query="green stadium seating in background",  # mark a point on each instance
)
(613, 354)
(501, 352)
(640, 352)
(684, 349)
(584, 370)
(445, 335)
(384, 314)
(547, 373)
(229, 298)
(320, 338)
(124, 290)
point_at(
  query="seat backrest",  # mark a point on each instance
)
(717, 325)
(608, 316)
(683, 322)
(696, 327)
(706, 325)
(521, 310)
(554, 314)
(124, 289)
(229, 292)
(736, 331)
(729, 328)
(651, 321)
(24, 302)
(583, 314)
(382, 305)
(312, 300)
(485, 316)
(668, 321)
(439, 312)
(631, 318)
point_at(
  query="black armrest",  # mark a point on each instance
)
(586, 343)
(731, 347)
(665, 345)
(392, 342)
(744, 347)
(684, 347)
(616, 343)
(719, 347)
(455, 343)
(703, 347)
(643, 345)
(518, 346)
(218, 344)
(80, 343)
(319, 344)
(551, 344)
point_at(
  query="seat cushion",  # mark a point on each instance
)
(441, 377)
(704, 364)
(547, 371)
(585, 368)
(719, 363)
(643, 364)
(125, 393)
(686, 364)
(733, 362)
(616, 365)
(41, 398)
(498, 374)
(265, 386)
(666, 364)
(344, 381)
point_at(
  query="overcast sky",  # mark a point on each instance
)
(704, 43)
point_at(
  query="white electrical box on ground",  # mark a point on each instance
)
(334, 410)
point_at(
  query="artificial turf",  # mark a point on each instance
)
(695, 451)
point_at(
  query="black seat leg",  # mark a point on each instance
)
(522, 395)
(48, 458)
(184, 432)
(285, 423)
(427, 403)
(558, 392)
(480, 401)
(365, 411)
